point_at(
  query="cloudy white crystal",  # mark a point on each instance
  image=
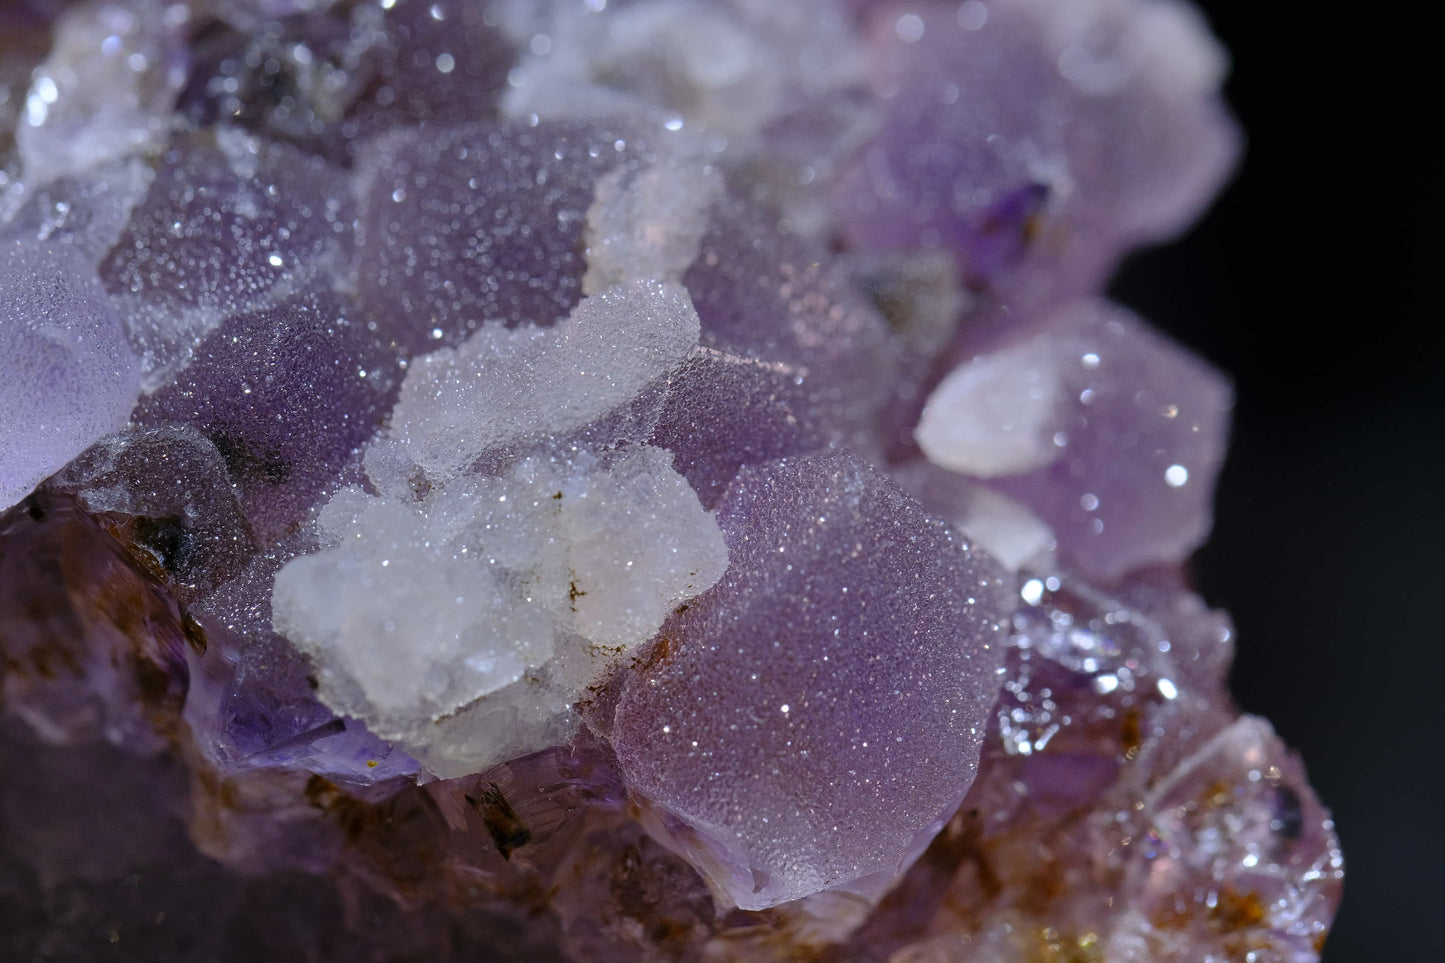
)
(994, 415)
(416, 610)
(505, 386)
(106, 89)
(648, 223)
(723, 69)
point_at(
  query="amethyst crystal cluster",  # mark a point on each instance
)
(617, 479)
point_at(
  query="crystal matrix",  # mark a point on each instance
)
(636, 480)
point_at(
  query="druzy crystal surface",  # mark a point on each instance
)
(622, 479)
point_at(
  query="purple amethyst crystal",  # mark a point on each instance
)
(286, 395)
(230, 224)
(466, 226)
(69, 377)
(1111, 435)
(856, 643)
(1123, 140)
(609, 481)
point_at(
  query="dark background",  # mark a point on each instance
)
(1314, 282)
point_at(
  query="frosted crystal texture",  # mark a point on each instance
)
(107, 88)
(88, 210)
(287, 394)
(231, 224)
(647, 223)
(418, 610)
(458, 596)
(791, 307)
(1123, 142)
(1108, 432)
(504, 386)
(722, 411)
(854, 643)
(1124, 443)
(723, 69)
(465, 226)
(67, 375)
(612, 481)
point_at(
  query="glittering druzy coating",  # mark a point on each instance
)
(644, 480)
(451, 236)
(1105, 430)
(286, 394)
(69, 377)
(853, 643)
(231, 224)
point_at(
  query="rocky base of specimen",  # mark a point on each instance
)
(1122, 810)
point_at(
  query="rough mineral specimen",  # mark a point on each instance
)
(647, 479)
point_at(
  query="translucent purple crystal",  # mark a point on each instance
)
(1123, 139)
(462, 227)
(231, 224)
(286, 394)
(722, 412)
(612, 481)
(1122, 810)
(170, 486)
(1111, 435)
(798, 656)
(67, 376)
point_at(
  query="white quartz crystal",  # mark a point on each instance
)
(647, 224)
(106, 89)
(505, 386)
(995, 415)
(416, 610)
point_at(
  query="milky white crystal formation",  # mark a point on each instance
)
(457, 594)
(505, 386)
(107, 88)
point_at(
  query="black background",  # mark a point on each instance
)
(1314, 282)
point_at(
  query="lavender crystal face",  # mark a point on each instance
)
(856, 642)
(1124, 141)
(450, 236)
(636, 480)
(69, 374)
(1108, 433)
(230, 224)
